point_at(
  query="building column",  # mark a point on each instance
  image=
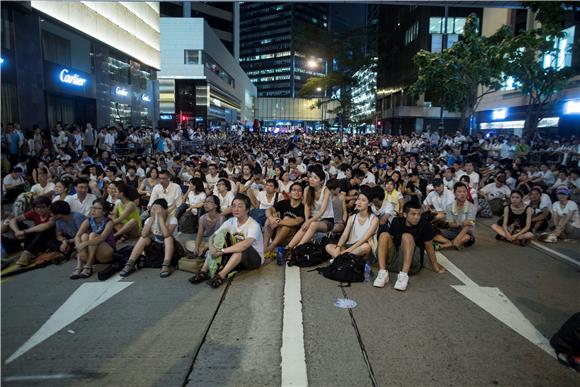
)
(30, 70)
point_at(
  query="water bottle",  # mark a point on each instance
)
(280, 260)
(367, 272)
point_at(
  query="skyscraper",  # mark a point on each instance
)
(269, 51)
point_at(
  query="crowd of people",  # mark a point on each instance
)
(394, 198)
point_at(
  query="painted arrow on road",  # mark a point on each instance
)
(493, 301)
(87, 297)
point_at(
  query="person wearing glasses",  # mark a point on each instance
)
(284, 219)
(95, 240)
(35, 238)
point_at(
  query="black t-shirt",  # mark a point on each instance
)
(422, 232)
(284, 207)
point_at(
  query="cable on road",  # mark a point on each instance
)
(198, 350)
(361, 344)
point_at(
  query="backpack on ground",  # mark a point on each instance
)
(118, 261)
(188, 223)
(566, 342)
(485, 210)
(307, 255)
(22, 204)
(345, 268)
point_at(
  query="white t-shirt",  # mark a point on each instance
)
(493, 192)
(226, 201)
(264, 202)
(369, 179)
(545, 202)
(386, 208)
(84, 207)
(9, 180)
(250, 229)
(571, 207)
(193, 199)
(156, 229)
(440, 203)
(211, 180)
(474, 179)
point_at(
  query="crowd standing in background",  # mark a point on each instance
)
(397, 199)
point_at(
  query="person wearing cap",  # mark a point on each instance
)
(565, 217)
(437, 201)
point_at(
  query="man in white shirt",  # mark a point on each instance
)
(369, 177)
(473, 176)
(246, 254)
(496, 193)
(212, 177)
(82, 201)
(13, 184)
(167, 190)
(438, 200)
(43, 188)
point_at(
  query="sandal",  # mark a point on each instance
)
(216, 281)
(128, 269)
(76, 274)
(87, 272)
(165, 271)
(199, 277)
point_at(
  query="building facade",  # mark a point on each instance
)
(79, 62)
(222, 16)
(364, 94)
(505, 110)
(200, 81)
(269, 51)
(404, 31)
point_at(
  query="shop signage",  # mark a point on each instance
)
(121, 91)
(145, 97)
(74, 79)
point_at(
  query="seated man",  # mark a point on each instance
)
(437, 201)
(67, 226)
(400, 249)
(284, 219)
(246, 254)
(496, 194)
(44, 187)
(35, 238)
(460, 216)
(13, 185)
(382, 208)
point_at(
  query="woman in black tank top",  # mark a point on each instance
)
(514, 225)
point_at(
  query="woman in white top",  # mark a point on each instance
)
(360, 231)
(225, 195)
(195, 196)
(565, 217)
(318, 210)
(284, 185)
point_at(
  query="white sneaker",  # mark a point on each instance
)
(402, 281)
(551, 239)
(382, 279)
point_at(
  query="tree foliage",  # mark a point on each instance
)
(463, 74)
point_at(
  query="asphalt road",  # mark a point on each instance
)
(148, 331)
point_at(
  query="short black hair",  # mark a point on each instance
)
(161, 202)
(60, 207)
(378, 193)
(245, 199)
(41, 201)
(411, 205)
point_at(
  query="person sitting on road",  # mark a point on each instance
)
(318, 210)
(361, 228)
(35, 238)
(338, 201)
(437, 202)
(125, 216)
(541, 205)
(382, 208)
(565, 217)
(393, 195)
(496, 193)
(515, 224)
(167, 190)
(82, 200)
(264, 200)
(225, 195)
(67, 225)
(401, 247)
(208, 223)
(62, 189)
(192, 200)
(460, 217)
(95, 241)
(43, 187)
(158, 236)
(284, 219)
(246, 254)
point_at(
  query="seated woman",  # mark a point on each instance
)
(360, 230)
(158, 233)
(192, 203)
(225, 195)
(147, 184)
(515, 224)
(318, 210)
(62, 189)
(565, 216)
(246, 254)
(208, 223)
(95, 241)
(125, 216)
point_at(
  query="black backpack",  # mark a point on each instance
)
(345, 268)
(567, 341)
(307, 255)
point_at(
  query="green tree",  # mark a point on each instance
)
(460, 76)
(534, 62)
(345, 53)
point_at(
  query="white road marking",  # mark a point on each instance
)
(293, 353)
(494, 302)
(87, 297)
(557, 254)
(25, 378)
